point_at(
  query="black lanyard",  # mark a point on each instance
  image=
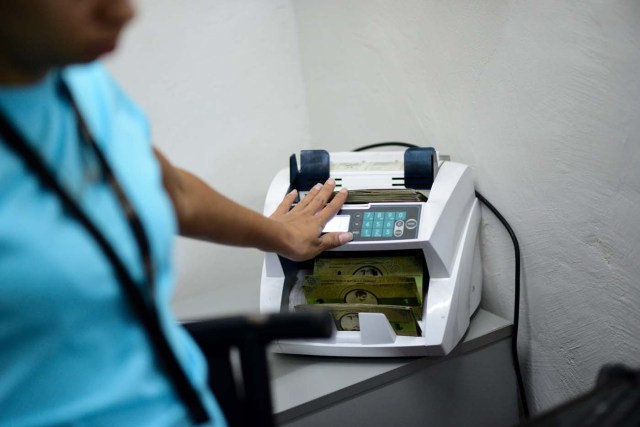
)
(141, 302)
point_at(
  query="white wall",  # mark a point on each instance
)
(221, 83)
(542, 99)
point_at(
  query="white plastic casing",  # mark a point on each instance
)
(448, 238)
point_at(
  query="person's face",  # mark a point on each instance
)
(39, 34)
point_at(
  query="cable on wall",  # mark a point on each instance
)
(516, 304)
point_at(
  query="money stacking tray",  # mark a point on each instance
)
(411, 278)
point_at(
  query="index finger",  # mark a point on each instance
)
(334, 206)
(285, 204)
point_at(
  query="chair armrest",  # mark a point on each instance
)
(262, 328)
(245, 393)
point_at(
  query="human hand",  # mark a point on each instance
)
(303, 238)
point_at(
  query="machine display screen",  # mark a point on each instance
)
(338, 223)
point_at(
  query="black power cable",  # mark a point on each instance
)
(386, 144)
(516, 304)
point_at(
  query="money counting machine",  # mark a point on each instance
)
(415, 222)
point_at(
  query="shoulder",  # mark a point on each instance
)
(92, 80)
(100, 96)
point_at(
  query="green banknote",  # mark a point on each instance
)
(376, 290)
(404, 265)
(346, 318)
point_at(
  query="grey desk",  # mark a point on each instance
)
(472, 386)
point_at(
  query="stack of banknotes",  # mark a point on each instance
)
(385, 196)
(346, 286)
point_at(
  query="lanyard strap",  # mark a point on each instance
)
(144, 307)
(133, 220)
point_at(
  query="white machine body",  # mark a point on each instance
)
(446, 233)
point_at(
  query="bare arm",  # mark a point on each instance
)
(205, 214)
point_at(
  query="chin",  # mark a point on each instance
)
(96, 50)
(91, 55)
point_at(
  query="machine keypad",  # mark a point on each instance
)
(389, 223)
(385, 222)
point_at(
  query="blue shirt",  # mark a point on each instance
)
(72, 351)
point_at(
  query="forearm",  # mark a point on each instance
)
(208, 215)
(205, 214)
(296, 233)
